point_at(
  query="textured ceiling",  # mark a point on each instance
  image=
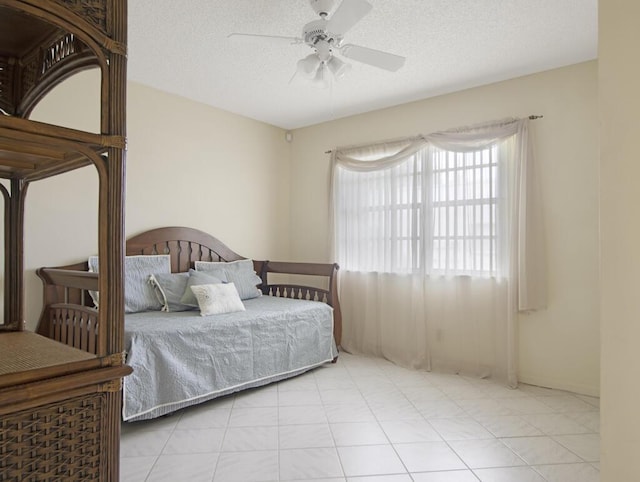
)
(182, 48)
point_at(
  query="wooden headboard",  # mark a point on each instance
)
(184, 245)
(68, 311)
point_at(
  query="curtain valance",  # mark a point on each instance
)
(383, 155)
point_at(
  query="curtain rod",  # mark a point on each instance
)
(531, 117)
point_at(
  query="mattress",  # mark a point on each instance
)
(182, 358)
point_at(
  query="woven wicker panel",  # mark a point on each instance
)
(94, 11)
(6, 85)
(57, 442)
(24, 350)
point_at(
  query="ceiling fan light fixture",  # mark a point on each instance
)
(338, 68)
(308, 67)
(321, 79)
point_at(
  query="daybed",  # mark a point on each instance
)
(180, 358)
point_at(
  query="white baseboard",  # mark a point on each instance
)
(547, 382)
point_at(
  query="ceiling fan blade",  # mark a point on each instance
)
(377, 58)
(272, 38)
(347, 15)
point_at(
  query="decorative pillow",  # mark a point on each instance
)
(199, 278)
(240, 272)
(169, 288)
(138, 293)
(216, 299)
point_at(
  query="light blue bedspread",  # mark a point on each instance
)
(180, 359)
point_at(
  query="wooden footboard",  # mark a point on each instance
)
(68, 314)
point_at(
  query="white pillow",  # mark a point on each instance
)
(240, 272)
(216, 299)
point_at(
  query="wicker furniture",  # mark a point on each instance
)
(65, 289)
(59, 405)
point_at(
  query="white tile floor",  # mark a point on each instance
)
(365, 420)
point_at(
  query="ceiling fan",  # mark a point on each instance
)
(325, 37)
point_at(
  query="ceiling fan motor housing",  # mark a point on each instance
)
(314, 31)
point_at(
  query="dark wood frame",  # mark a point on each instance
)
(68, 314)
(48, 391)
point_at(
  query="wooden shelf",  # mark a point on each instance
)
(34, 150)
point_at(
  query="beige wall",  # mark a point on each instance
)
(187, 165)
(619, 71)
(559, 347)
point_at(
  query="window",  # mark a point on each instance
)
(464, 211)
(434, 212)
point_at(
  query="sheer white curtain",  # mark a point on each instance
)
(440, 243)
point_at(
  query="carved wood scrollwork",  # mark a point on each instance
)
(92, 10)
(61, 49)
